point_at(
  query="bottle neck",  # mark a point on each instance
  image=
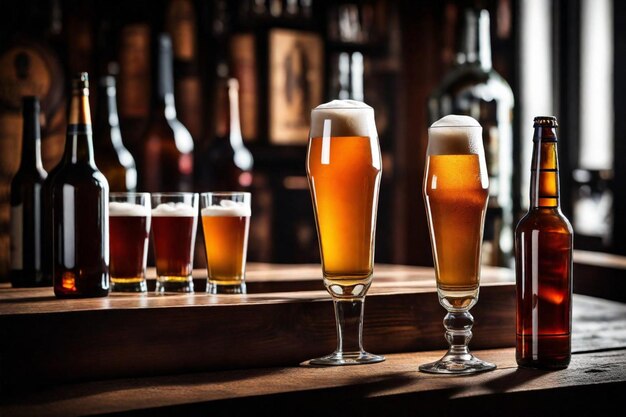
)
(164, 88)
(31, 137)
(475, 47)
(544, 180)
(108, 127)
(79, 142)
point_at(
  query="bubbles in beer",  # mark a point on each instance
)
(455, 135)
(228, 208)
(345, 118)
(174, 210)
(119, 209)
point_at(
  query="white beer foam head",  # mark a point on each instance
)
(119, 209)
(174, 210)
(343, 118)
(228, 208)
(455, 135)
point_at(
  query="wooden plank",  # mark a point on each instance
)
(44, 340)
(600, 275)
(394, 386)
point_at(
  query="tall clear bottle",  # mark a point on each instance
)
(168, 145)
(474, 88)
(543, 261)
(27, 204)
(114, 160)
(80, 208)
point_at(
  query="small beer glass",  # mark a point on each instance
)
(226, 222)
(129, 226)
(174, 222)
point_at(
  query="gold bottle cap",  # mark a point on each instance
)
(545, 121)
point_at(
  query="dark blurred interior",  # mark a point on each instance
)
(563, 58)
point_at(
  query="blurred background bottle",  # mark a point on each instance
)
(472, 87)
(27, 205)
(113, 159)
(168, 146)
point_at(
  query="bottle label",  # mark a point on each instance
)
(17, 237)
(79, 129)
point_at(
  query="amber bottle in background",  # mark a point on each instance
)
(543, 262)
(80, 208)
(168, 145)
(27, 205)
(472, 87)
(228, 163)
(112, 158)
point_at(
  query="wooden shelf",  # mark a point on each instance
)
(285, 319)
(591, 385)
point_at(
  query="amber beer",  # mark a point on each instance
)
(129, 225)
(174, 235)
(344, 169)
(456, 189)
(226, 224)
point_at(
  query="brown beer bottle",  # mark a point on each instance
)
(543, 262)
(228, 163)
(80, 208)
(168, 145)
(27, 204)
(113, 159)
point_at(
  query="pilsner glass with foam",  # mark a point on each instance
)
(344, 169)
(129, 225)
(226, 222)
(174, 222)
(456, 190)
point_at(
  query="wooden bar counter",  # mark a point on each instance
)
(226, 355)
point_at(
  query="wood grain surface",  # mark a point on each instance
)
(44, 340)
(592, 385)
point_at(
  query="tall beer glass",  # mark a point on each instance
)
(129, 225)
(456, 190)
(344, 169)
(174, 222)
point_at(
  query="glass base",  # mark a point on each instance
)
(213, 288)
(138, 286)
(174, 284)
(457, 365)
(347, 358)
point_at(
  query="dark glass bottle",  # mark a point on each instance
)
(27, 204)
(543, 262)
(168, 145)
(229, 163)
(80, 208)
(472, 87)
(113, 159)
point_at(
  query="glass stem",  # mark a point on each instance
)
(349, 319)
(458, 326)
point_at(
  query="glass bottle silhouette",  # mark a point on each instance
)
(27, 204)
(473, 88)
(168, 145)
(229, 163)
(80, 208)
(543, 262)
(113, 159)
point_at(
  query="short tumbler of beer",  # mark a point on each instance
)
(174, 222)
(129, 226)
(225, 223)
(456, 189)
(344, 169)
